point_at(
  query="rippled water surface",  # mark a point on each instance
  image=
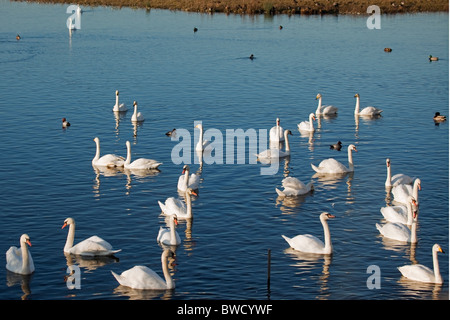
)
(179, 78)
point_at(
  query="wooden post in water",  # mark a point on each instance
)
(268, 273)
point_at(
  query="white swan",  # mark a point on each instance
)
(324, 110)
(419, 272)
(310, 244)
(294, 187)
(307, 125)
(277, 153)
(93, 246)
(276, 133)
(144, 278)
(333, 166)
(187, 181)
(108, 160)
(401, 214)
(137, 116)
(201, 144)
(399, 231)
(177, 207)
(141, 163)
(367, 111)
(397, 179)
(119, 107)
(169, 236)
(19, 260)
(402, 192)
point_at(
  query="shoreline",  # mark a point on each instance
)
(271, 7)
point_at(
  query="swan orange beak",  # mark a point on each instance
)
(29, 243)
(64, 225)
(194, 193)
(440, 250)
(420, 187)
(176, 221)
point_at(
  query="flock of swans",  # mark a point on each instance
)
(400, 220)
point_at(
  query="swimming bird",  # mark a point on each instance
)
(387, 49)
(337, 146)
(201, 144)
(169, 236)
(324, 110)
(177, 207)
(402, 192)
(367, 111)
(187, 181)
(274, 153)
(92, 246)
(311, 244)
(331, 165)
(276, 133)
(294, 187)
(65, 123)
(397, 179)
(421, 273)
(144, 278)
(399, 231)
(18, 37)
(119, 107)
(195, 29)
(400, 213)
(251, 57)
(431, 58)
(19, 260)
(439, 118)
(141, 163)
(307, 125)
(108, 160)
(171, 133)
(137, 116)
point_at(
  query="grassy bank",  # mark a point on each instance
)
(274, 6)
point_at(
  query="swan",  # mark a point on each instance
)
(137, 116)
(401, 214)
(403, 191)
(188, 181)
(141, 163)
(294, 187)
(307, 125)
(276, 132)
(201, 144)
(324, 110)
(310, 244)
(171, 132)
(142, 277)
(399, 231)
(333, 166)
(119, 107)
(169, 236)
(277, 153)
(177, 207)
(108, 160)
(65, 123)
(19, 260)
(419, 272)
(93, 246)
(367, 111)
(397, 179)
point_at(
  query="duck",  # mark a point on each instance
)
(108, 160)
(195, 29)
(143, 278)
(439, 118)
(294, 187)
(169, 236)
(307, 125)
(331, 165)
(137, 116)
(274, 153)
(367, 111)
(324, 110)
(177, 207)
(65, 123)
(171, 132)
(92, 247)
(141, 163)
(119, 107)
(251, 57)
(19, 260)
(18, 37)
(187, 181)
(421, 273)
(388, 49)
(337, 146)
(397, 179)
(308, 243)
(431, 58)
(276, 133)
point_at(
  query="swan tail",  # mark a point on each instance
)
(316, 169)
(287, 239)
(310, 186)
(117, 276)
(379, 227)
(280, 193)
(162, 206)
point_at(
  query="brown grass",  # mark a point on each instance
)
(273, 6)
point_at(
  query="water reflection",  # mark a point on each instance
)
(13, 279)
(89, 263)
(118, 116)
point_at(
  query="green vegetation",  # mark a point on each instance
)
(273, 6)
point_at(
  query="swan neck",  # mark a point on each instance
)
(311, 123)
(437, 272)
(173, 237)
(165, 268)
(25, 256)
(350, 158)
(186, 178)
(117, 99)
(414, 232)
(319, 105)
(410, 213)
(327, 237)
(388, 178)
(128, 160)
(97, 152)
(188, 206)
(70, 237)
(286, 141)
(416, 191)
(357, 105)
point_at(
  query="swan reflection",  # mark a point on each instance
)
(89, 263)
(24, 280)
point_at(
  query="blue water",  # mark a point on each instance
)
(180, 77)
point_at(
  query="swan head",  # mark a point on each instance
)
(25, 239)
(357, 95)
(199, 126)
(388, 162)
(278, 121)
(117, 92)
(352, 147)
(312, 116)
(318, 96)
(418, 182)
(185, 168)
(175, 219)
(97, 140)
(325, 216)
(68, 221)
(191, 191)
(135, 103)
(437, 248)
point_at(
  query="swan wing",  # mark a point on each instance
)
(276, 136)
(140, 277)
(402, 192)
(395, 214)
(174, 206)
(143, 163)
(401, 178)
(194, 181)
(110, 160)
(164, 237)
(370, 111)
(330, 165)
(93, 246)
(417, 272)
(329, 110)
(394, 230)
(14, 261)
(306, 243)
(292, 182)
